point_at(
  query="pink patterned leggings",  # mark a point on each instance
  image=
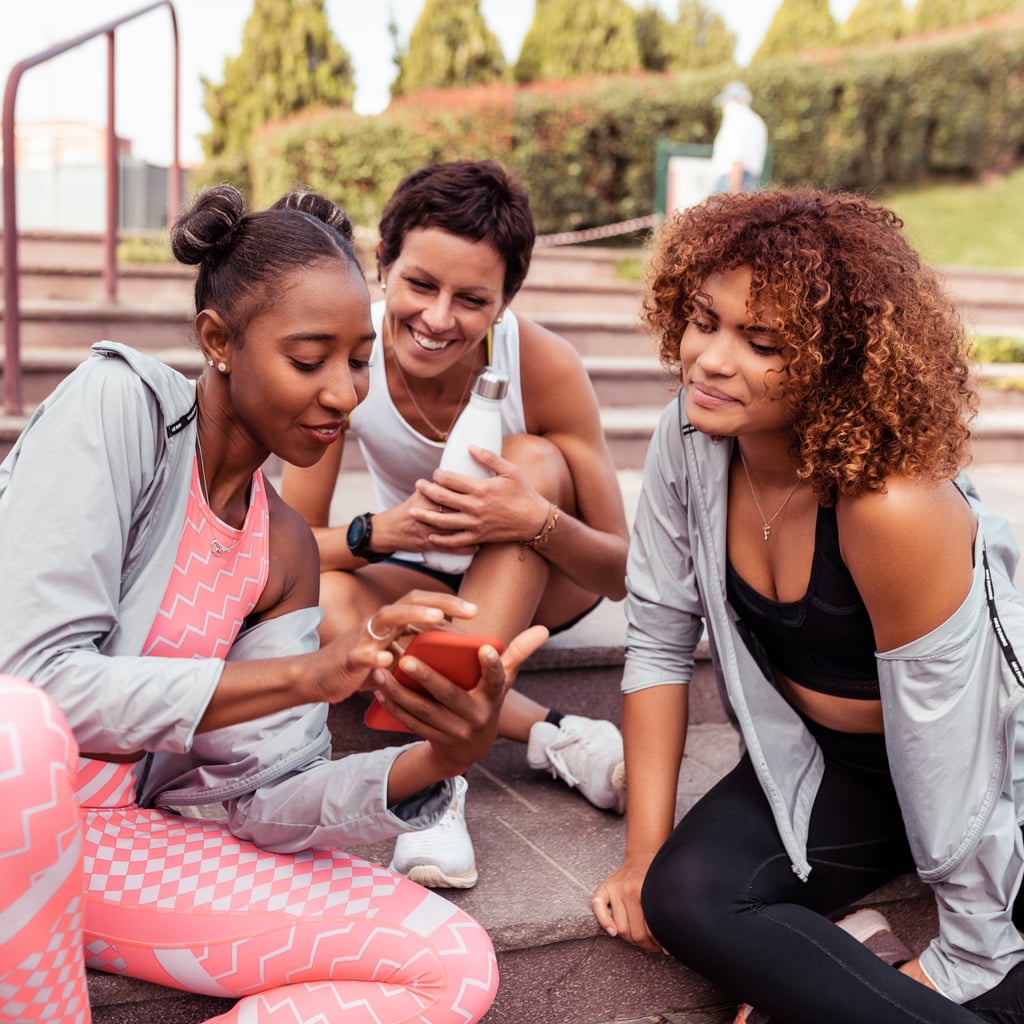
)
(317, 935)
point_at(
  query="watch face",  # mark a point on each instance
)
(357, 532)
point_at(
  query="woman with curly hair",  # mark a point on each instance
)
(803, 500)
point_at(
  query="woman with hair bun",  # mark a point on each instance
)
(803, 500)
(160, 615)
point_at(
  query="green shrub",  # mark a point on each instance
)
(989, 349)
(585, 148)
(154, 247)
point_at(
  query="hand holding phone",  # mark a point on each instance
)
(454, 655)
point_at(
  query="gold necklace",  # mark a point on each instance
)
(442, 435)
(216, 548)
(766, 521)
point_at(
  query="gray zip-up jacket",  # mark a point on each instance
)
(92, 500)
(951, 701)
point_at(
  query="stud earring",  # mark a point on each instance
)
(500, 318)
(383, 286)
(223, 367)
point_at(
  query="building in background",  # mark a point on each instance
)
(61, 179)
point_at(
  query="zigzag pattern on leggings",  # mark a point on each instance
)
(42, 977)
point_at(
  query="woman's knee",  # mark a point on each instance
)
(343, 604)
(543, 464)
(39, 726)
(688, 902)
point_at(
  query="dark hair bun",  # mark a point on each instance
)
(208, 224)
(320, 207)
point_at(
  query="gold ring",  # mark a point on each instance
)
(369, 629)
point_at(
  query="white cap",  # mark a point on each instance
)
(733, 91)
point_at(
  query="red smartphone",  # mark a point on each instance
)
(454, 655)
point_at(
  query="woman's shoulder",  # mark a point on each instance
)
(909, 548)
(906, 504)
(137, 376)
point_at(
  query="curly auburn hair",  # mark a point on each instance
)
(878, 368)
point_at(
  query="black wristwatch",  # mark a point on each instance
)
(360, 532)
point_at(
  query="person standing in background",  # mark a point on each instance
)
(741, 145)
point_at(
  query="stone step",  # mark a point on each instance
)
(49, 323)
(997, 438)
(562, 279)
(82, 249)
(619, 380)
(76, 325)
(991, 303)
(171, 285)
(140, 284)
(631, 393)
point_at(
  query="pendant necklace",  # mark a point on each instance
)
(442, 435)
(216, 548)
(766, 521)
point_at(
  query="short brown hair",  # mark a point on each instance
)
(475, 199)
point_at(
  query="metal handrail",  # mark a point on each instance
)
(12, 309)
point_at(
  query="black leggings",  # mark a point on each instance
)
(722, 898)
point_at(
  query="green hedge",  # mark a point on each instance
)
(586, 148)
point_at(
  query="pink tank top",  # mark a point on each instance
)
(219, 574)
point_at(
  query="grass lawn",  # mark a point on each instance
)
(975, 224)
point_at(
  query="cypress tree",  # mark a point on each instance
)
(798, 25)
(575, 38)
(874, 21)
(702, 38)
(289, 60)
(450, 45)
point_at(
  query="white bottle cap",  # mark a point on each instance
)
(491, 383)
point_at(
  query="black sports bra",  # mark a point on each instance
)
(824, 641)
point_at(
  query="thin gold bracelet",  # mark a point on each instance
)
(542, 534)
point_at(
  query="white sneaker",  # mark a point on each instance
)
(585, 753)
(872, 929)
(439, 857)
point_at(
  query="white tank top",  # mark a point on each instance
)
(396, 454)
